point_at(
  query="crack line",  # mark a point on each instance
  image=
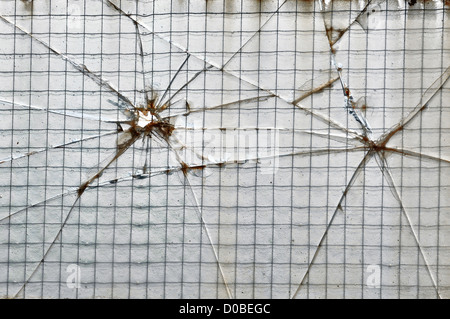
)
(423, 104)
(361, 165)
(219, 68)
(80, 67)
(62, 113)
(19, 156)
(80, 192)
(386, 172)
(415, 154)
(251, 38)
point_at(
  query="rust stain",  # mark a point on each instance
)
(316, 90)
(163, 129)
(155, 126)
(82, 188)
(334, 35)
(185, 168)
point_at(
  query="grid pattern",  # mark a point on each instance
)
(224, 149)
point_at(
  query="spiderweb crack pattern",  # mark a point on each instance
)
(158, 125)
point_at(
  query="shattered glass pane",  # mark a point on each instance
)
(224, 149)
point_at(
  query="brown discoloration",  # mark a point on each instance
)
(135, 135)
(185, 168)
(133, 131)
(378, 148)
(316, 90)
(347, 92)
(386, 139)
(163, 129)
(362, 107)
(154, 108)
(334, 36)
(365, 140)
(82, 188)
(28, 4)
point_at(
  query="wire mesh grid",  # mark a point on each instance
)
(224, 149)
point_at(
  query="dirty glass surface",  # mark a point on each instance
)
(224, 149)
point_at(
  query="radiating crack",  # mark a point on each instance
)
(421, 106)
(383, 165)
(77, 66)
(313, 90)
(406, 152)
(319, 116)
(66, 113)
(360, 19)
(375, 148)
(63, 145)
(352, 180)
